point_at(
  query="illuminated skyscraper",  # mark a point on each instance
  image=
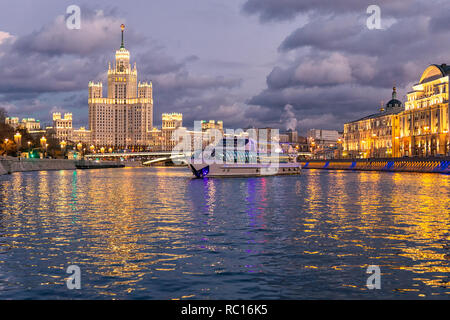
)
(125, 117)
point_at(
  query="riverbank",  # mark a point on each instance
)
(429, 165)
(11, 165)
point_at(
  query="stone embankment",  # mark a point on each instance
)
(10, 165)
(429, 165)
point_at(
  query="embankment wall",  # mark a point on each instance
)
(432, 165)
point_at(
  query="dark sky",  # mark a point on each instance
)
(280, 63)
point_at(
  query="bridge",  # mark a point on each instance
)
(147, 157)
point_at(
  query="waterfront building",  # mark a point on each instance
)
(12, 122)
(170, 123)
(325, 144)
(82, 135)
(293, 136)
(125, 117)
(419, 129)
(62, 126)
(321, 136)
(211, 124)
(29, 124)
(374, 135)
(163, 140)
(424, 125)
(283, 138)
(63, 130)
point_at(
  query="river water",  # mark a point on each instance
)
(155, 233)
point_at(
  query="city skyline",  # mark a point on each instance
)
(298, 74)
(224, 159)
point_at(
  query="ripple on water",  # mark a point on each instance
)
(155, 233)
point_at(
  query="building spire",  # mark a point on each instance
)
(122, 27)
(394, 93)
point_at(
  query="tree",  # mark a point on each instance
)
(3, 115)
(6, 139)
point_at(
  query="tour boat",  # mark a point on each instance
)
(242, 159)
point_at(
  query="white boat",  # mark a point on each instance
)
(243, 161)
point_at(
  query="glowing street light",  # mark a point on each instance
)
(63, 145)
(43, 141)
(18, 138)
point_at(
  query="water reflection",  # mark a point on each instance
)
(157, 233)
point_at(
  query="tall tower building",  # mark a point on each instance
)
(125, 117)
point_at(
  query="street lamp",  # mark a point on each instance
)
(79, 148)
(18, 138)
(63, 146)
(44, 145)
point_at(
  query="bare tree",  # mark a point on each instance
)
(3, 115)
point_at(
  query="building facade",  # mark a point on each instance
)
(211, 124)
(374, 136)
(29, 124)
(12, 122)
(324, 144)
(163, 140)
(424, 124)
(419, 129)
(63, 126)
(125, 117)
(170, 123)
(82, 135)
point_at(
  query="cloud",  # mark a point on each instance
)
(323, 69)
(49, 69)
(333, 68)
(4, 36)
(342, 102)
(99, 32)
(278, 10)
(54, 58)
